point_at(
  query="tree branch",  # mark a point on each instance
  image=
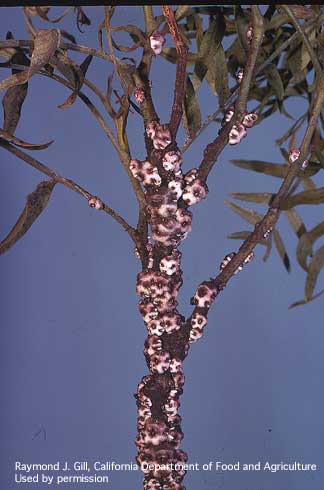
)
(213, 150)
(271, 217)
(182, 51)
(67, 183)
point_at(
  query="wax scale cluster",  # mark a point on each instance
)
(168, 194)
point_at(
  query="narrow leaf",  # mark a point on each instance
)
(274, 79)
(259, 197)
(314, 196)
(305, 301)
(273, 169)
(305, 244)
(18, 142)
(315, 267)
(12, 103)
(207, 51)
(295, 221)
(36, 203)
(191, 116)
(248, 214)
(281, 249)
(221, 76)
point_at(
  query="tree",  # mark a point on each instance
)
(274, 56)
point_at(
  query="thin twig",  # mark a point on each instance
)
(182, 51)
(249, 69)
(67, 183)
(213, 150)
(271, 217)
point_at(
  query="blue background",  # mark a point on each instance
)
(72, 338)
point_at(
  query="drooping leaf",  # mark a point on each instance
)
(295, 221)
(79, 73)
(274, 79)
(305, 301)
(12, 103)
(81, 18)
(219, 77)
(314, 196)
(248, 214)
(68, 36)
(15, 96)
(36, 203)
(315, 267)
(273, 169)
(191, 115)
(259, 197)
(319, 155)
(207, 49)
(208, 42)
(18, 142)
(242, 24)
(45, 44)
(72, 72)
(305, 244)
(292, 130)
(281, 249)
(276, 169)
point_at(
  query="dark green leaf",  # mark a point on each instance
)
(191, 116)
(209, 44)
(281, 249)
(85, 64)
(274, 169)
(314, 196)
(36, 203)
(315, 266)
(274, 79)
(219, 76)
